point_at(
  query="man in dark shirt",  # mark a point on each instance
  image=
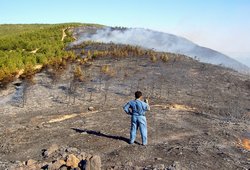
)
(137, 108)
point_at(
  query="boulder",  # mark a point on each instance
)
(91, 108)
(52, 149)
(30, 162)
(71, 150)
(94, 163)
(175, 166)
(56, 165)
(72, 161)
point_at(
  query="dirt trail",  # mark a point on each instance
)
(64, 34)
(34, 51)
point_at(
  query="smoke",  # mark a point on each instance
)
(158, 41)
(140, 37)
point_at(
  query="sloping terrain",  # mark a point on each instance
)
(200, 114)
(159, 41)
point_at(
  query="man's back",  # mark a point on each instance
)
(136, 107)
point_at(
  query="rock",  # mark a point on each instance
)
(83, 164)
(45, 153)
(14, 167)
(88, 156)
(19, 163)
(159, 167)
(129, 164)
(94, 163)
(64, 167)
(82, 156)
(39, 126)
(72, 150)
(158, 159)
(84, 133)
(32, 167)
(116, 168)
(56, 165)
(72, 161)
(52, 149)
(87, 163)
(91, 108)
(138, 168)
(64, 155)
(175, 166)
(30, 162)
(45, 165)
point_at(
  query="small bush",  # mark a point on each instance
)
(78, 74)
(153, 58)
(108, 71)
(164, 58)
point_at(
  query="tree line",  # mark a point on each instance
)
(22, 47)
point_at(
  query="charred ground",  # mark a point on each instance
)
(199, 118)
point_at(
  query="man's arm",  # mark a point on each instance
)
(147, 107)
(126, 108)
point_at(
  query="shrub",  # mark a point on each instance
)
(164, 58)
(153, 58)
(78, 74)
(106, 69)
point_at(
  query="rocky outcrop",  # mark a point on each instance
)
(55, 158)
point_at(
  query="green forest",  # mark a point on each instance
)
(24, 46)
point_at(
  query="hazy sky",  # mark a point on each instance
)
(223, 25)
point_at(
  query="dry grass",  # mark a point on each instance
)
(177, 107)
(78, 74)
(153, 58)
(106, 69)
(164, 58)
(62, 118)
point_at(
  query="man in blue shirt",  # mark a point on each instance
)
(137, 108)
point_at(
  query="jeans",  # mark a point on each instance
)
(141, 122)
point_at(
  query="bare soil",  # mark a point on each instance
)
(200, 114)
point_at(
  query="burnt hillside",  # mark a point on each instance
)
(199, 118)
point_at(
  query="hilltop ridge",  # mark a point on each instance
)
(158, 41)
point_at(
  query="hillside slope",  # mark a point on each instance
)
(161, 42)
(23, 47)
(199, 116)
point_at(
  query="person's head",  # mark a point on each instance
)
(138, 94)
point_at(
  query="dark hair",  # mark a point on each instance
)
(138, 94)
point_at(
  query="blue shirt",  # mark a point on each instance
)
(136, 107)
